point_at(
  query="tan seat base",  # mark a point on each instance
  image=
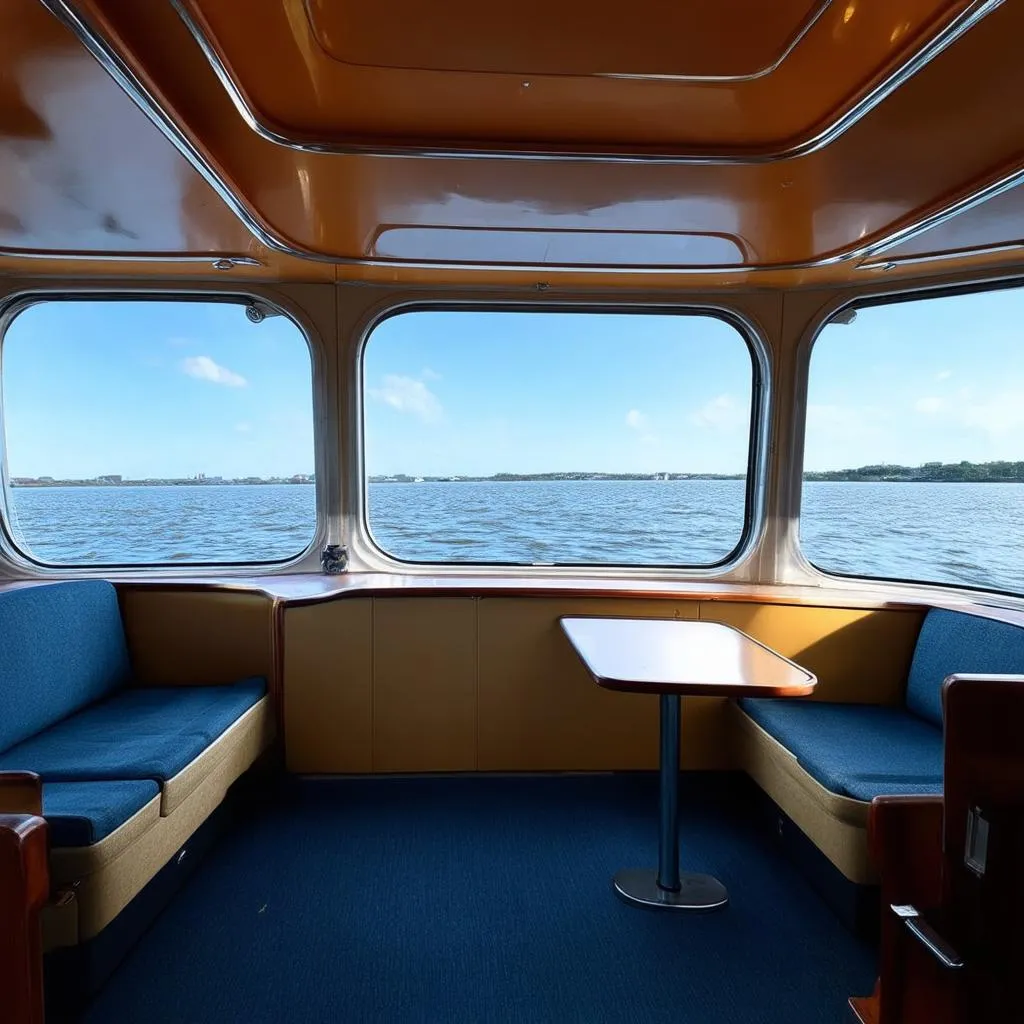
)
(93, 884)
(837, 825)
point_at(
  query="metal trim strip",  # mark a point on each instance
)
(116, 67)
(966, 20)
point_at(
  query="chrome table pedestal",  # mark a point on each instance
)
(675, 658)
(668, 888)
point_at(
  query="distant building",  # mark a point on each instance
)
(110, 478)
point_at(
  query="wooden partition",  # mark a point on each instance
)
(24, 888)
(199, 636)
(489, 683)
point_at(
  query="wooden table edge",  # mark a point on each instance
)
(693, 689)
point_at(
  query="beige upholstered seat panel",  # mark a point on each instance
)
(837, 825)
(238, 746)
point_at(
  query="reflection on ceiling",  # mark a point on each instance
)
(796, 138)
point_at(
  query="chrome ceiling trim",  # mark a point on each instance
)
(808, 23)
(1004, 183)
(115, 66)
(939, 257)
(961, 24)
(217, 260)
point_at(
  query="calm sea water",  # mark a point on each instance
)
(947, 533)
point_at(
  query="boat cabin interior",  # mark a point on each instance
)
(512, 513)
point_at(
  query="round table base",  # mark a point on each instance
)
(639, 886)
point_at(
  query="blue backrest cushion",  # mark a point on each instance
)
(62, 646)
(957, 642)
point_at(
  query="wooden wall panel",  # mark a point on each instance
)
(424, 684)
(197, 637)
(858, 656)
(409, 684)
(540, 710)
(328, 655)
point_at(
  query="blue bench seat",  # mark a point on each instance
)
(83, 813)
(863, 751)
(128, 772)
(70, 711)
(855, 750)
(134, 734)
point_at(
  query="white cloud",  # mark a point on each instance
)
(428, 374)
(643, 425)
(944, 375)
(721, 413)
(407, 394)
(930, 405)
(204, 368)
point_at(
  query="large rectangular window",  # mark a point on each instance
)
(146, 432)
(914, 461)
(558, 438)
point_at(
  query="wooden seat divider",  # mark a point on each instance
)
(24, 890)
(952, 871)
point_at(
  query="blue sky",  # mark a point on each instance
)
(155, 389)
(476, 393)
(172, 389)
(940, 380)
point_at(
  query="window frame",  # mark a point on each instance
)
(761, 402)
(16, 303)
(813, 333)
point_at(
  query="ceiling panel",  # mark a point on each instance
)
(736, 78)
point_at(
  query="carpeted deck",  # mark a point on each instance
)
(475, 899)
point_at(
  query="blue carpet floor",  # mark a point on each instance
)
(474, 899)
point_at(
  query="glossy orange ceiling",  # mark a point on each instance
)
(81, 168)
(564, 37)
(731, 78)
(84, 171)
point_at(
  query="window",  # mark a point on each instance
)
(914, 463)
(557, 438)
(146, 432)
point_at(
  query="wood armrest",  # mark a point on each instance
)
(24, 889)
(905, 842)
(21, 793)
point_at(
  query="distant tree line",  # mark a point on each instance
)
(930, 472)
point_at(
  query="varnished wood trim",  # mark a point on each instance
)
(905, 841)
(276, 681)
(21, 793)
(311, 588)
(865, 1008)
(24, 888)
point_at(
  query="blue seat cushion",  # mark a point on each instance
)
(135, 734)
(957, 642)
(856, 750)
(62, 647)
(83, 813)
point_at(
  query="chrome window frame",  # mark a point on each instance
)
(26, 566)
(368, 554)
(802, 569)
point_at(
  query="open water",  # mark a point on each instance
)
(947, 533)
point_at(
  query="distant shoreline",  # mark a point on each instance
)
(931, 472)
(23, 482)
